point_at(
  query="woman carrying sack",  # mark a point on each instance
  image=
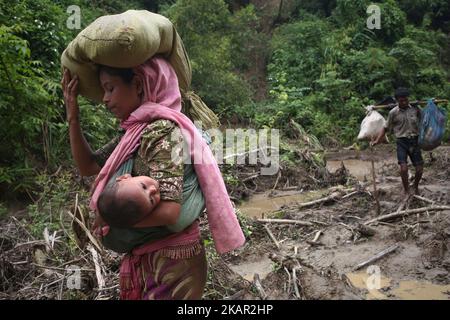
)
(147, 100)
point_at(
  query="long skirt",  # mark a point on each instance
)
(153, 276)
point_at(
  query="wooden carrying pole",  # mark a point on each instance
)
(422, 103)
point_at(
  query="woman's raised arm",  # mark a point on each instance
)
(81, 151)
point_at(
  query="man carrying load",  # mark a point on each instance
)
(403, 121)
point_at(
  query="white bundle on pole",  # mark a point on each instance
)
(371, 125)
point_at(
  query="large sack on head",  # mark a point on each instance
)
(123, 41)
(432, 126)
(371, 126)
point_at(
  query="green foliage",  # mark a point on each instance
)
(351, 12)
(433, 14)
(26, 108)
(248, 44)
(297, 52)
(323, 71)
(55, 197)
(322, 65)
(393, 22)
(245, 224)
(321, 8)
(33, 34)
(206, 29)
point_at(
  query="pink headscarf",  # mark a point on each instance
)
(163, 101)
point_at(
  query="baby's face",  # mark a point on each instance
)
(143, 190)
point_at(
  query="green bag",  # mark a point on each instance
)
(123, 41)
(127, 40)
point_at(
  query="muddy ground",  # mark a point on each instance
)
(326, 268)
(313, 261)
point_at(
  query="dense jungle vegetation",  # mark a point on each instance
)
(259, 63)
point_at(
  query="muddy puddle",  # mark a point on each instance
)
(261, 204)
(360, 169)
(247, 270)
(384, 288)
(417, 272)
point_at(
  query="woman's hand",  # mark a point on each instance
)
(374, 142)
(70, 90)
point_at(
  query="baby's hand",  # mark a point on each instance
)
(100, 228)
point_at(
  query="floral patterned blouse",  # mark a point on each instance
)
(154, 157)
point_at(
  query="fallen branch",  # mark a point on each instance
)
(29, 243)
(316, 237)
(259, 287)
(61, 287)
(57, 268)
(423, 199)
(48, 267)
(248, 152)
(48, 246)
(23, 228)
(98, 270)
(320, 222)
(294, 279)
(313, 243)
(377, 257)
(88, 233)
(353, 217)
(289, 188)
(289, 280)
(345, 226)
(350, 194)
(402, 205)
(278, 178)
(287, 221)
(406, 212)
(288, 261)
(272, 237)
(56, 281)
(250, 178)
(331, 197)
